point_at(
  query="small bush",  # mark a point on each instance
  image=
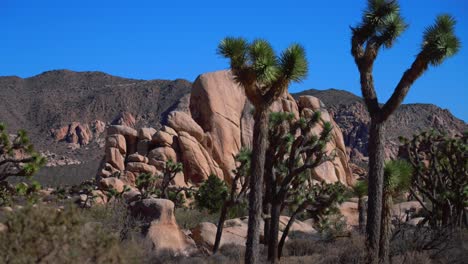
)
(211, 194)
(233, 252)
(303, 247)
(189, 218)
(44, 234)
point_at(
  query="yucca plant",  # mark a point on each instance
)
(397, 180)
(264, 76)
(380, 27)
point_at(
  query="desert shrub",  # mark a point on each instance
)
(303, 247)
(6, 194)
(343, 250)
(232, 252)
(189, 218)
(45, 234)
(443, 245)
(211, 194)
(412, 257)
(332, 226)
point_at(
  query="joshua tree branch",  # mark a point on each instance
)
(401, 90)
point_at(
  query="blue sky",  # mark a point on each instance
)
(177, 39)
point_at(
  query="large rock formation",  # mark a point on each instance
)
(350, 113)
(207, 137)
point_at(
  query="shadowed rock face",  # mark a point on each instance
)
(207, 138)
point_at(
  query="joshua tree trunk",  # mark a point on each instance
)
(362, 207)
(376, 176)
(260, 144)
(268, 198)
(287, 228)
(219, 230)
(384, 253)
(267, 213)
(274, 230)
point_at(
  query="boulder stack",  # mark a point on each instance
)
(208, 136)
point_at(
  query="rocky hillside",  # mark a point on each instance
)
(65, 112)
(351, 115)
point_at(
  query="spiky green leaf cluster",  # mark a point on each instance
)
(258, 59)
(440, 41)
(360, 188)
(234, 49)
(293, 63)
(381, 23)
(397, 176)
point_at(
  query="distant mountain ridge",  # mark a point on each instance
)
(56, 99)
(51, 101)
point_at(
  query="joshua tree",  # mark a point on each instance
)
(440, 177)
(318, 199)
(17, 156)
(289, 159)
(397, 179)
(265, 77)
(160, 185)
(380, 27)
(360, 190)
(237, 194)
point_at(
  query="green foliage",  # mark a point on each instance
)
(332, 226)
(323, 199)
(10, 165)
(397, 176)
(381, 23)
(234, 48)
(293, 63)
(360, 188)
(45, 235)
(211, 194)
(258, 60)
(440, 176)
(190, 218)
(160, 185)
(6, 194)
(439, 40)
(145, 182)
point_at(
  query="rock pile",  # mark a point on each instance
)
(78, 133)
(207, 136)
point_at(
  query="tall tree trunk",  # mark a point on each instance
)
(269, 189)
(274, 230)
(362, 207)
(384, 253)
(260, 144)
(287, 228)
(267, 212)
(376, 175)
(219, 230)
